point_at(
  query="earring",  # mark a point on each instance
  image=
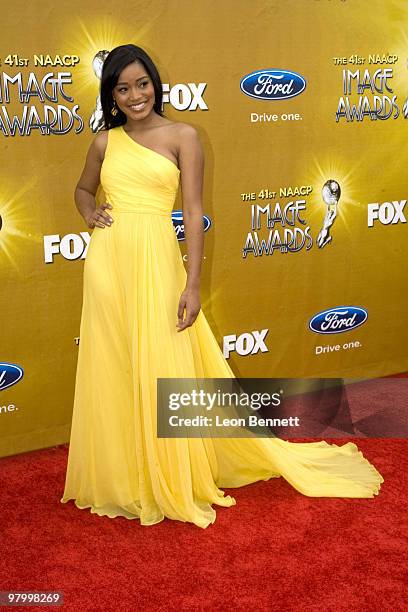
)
(114, 110)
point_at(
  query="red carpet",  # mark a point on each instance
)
(274, 550)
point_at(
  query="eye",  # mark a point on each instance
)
(144, 83)
(122, 89)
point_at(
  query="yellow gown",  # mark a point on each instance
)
(133, 278)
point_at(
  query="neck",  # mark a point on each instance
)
(134, 125)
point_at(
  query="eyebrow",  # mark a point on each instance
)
(126, 83)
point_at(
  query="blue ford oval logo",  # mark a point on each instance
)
(273, 84)
(10, 374)
(177, 218)
(338, 320)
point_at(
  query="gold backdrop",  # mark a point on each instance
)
(287, 97)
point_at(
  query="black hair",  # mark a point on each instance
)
(115, 62)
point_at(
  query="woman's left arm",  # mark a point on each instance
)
(191, 162)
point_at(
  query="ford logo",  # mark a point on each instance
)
(177, 218)
(273, 84)
(10, 374)
(338, 320)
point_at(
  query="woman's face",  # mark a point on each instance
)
(134, 92)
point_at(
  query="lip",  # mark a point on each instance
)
(138, 109)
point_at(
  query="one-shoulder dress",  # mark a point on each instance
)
(133, 277)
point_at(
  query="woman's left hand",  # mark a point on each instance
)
(190, 303)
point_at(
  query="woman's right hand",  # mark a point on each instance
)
(100, 218)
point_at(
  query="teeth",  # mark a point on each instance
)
(138, 106)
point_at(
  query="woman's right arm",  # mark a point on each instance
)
(87, 186)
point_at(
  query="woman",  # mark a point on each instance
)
(134, 285)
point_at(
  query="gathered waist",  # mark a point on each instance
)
(123, 203)
(142, 212)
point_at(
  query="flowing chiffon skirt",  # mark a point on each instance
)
(133, 278)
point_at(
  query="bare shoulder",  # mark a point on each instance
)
(187, 137)
(99, 144)
(179, 128)
(186, 131)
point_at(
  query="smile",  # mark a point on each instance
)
(138, 107)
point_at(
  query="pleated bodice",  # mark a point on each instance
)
(137, 179)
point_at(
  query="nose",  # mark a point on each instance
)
(137, 101)
(136, 97)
